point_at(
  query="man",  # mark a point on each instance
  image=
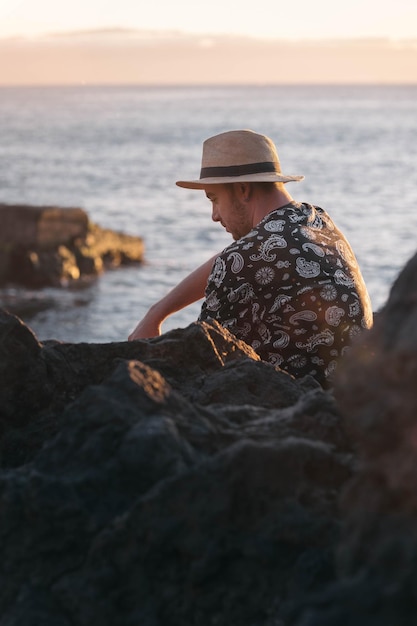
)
(289, 285)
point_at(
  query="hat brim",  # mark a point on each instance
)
(266, 177)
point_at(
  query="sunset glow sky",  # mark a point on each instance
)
(40, 41)
(271, 18)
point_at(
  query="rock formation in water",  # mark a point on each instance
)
(52, 246)
(181, 481)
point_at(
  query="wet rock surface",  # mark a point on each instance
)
(182, 481)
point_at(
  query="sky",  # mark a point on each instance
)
(139, 41)
(264, 18)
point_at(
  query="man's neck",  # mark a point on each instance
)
(267, 202)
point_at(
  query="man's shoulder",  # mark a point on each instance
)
(241, 246)
(301, 213)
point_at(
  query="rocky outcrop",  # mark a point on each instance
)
(376, 556)
(182, 481)
(53, 246)
(178, 480)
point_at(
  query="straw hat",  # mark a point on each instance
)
(238, 156)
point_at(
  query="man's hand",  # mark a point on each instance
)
(146, 328)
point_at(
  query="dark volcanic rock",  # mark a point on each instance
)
(174, 481)
(181, 481)
(377, 554)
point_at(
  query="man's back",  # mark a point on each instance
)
(293, 290)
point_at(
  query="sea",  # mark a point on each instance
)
(117, 151)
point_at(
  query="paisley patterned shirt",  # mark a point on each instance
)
(292, 289)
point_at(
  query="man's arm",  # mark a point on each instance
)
(189, 290)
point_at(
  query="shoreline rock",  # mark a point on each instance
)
(376, 556)
(52, 246)
(178, 480)
(181, 481)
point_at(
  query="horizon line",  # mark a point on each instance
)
(179, 85)
(117, 31)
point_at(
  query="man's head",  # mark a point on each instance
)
(230, 207)
(238, 207)
(238, 156)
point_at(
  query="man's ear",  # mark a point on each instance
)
(244, 191)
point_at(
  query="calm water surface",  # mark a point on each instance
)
(117, 152)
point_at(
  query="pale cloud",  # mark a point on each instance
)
(118, 56)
